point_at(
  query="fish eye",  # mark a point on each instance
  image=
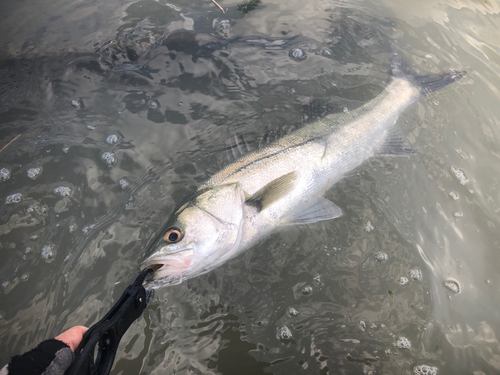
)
(173, 235)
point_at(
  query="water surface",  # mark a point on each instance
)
(119, 110)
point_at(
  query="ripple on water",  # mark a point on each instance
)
(4, 174)
(425, 370)
(33, 173)
(63, 191)
(403, 343)
(14, 198)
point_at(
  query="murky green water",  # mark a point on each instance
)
(127, 106)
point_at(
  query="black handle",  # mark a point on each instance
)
(109, 331)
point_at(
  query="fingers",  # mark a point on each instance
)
(72, 337)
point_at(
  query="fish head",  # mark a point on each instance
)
(201, 235)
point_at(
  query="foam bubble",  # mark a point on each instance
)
(297, 54)
(458, 214)
(109, 158)
(33, 173)
(48, 253)
(14, 198)
(284, 334)
(369, 226)
(113, 139)
(25, 277)
(362, 325)
(452, 286)
(4, 174)
(403, 343)
(459, 174)
(63, 191)
(425, 370)
(292, 312)
(416, 274)
(453, 195)
(403, 280)
(153, 104)
(381, 256)
(124, 183)
(71, 228)
(307, 290)
(77, 103)
(5, 284)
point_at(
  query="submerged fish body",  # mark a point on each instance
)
(280, 184)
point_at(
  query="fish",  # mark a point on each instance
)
(283, 183)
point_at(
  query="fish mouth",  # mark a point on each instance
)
(169, 267)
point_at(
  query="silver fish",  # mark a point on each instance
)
(282, 183)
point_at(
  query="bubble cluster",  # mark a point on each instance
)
(369, 226)
(113, 139)
(124, 183)
(453, 195)
(33, 173)
(4, 174)
(381, 256)
(416, 274)
(14, 198)
(458, 214)
(403, 343)
(90, 127)
(48, 253)
(452, 286)
(403, 280)
(297, 54)
(362, 325)
(425, 370)
(109, 158)
(460, 175)
(292, 312)
(284, 334)
(63, 191)
(25, 277)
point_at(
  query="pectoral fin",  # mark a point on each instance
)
(273, 191)
(321, 209)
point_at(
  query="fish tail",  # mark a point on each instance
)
(427, 83)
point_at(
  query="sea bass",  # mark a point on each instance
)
(282, 183)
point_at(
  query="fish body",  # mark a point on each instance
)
(282, 183)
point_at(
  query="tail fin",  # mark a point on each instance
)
(427, 83)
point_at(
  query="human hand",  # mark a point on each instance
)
(72, 337)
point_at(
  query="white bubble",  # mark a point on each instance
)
(284, 334)
(90, 127)
(48, 253)
(33, 173)
(362, 325)
(369, 226)
(403, 343)
(292, 312)
(453, 195)
(113, 139)
(109, 158)
(14, 198)
(65, 149)
(25, 277)
(381, 256)
(416, 274)
(124, 183)
(71, 228)
(403, 280)
(345, 109)
(452, 286)
(460, 175)
(77, 103)
(4, 174)
(307, 290)
(6, 284)
(153, 104)
(458, 214)
(63, 191)
(425, 370)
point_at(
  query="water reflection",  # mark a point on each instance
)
(119, 120)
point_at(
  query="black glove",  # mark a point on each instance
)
(51, 357)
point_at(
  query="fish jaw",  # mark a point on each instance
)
(168, 269)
